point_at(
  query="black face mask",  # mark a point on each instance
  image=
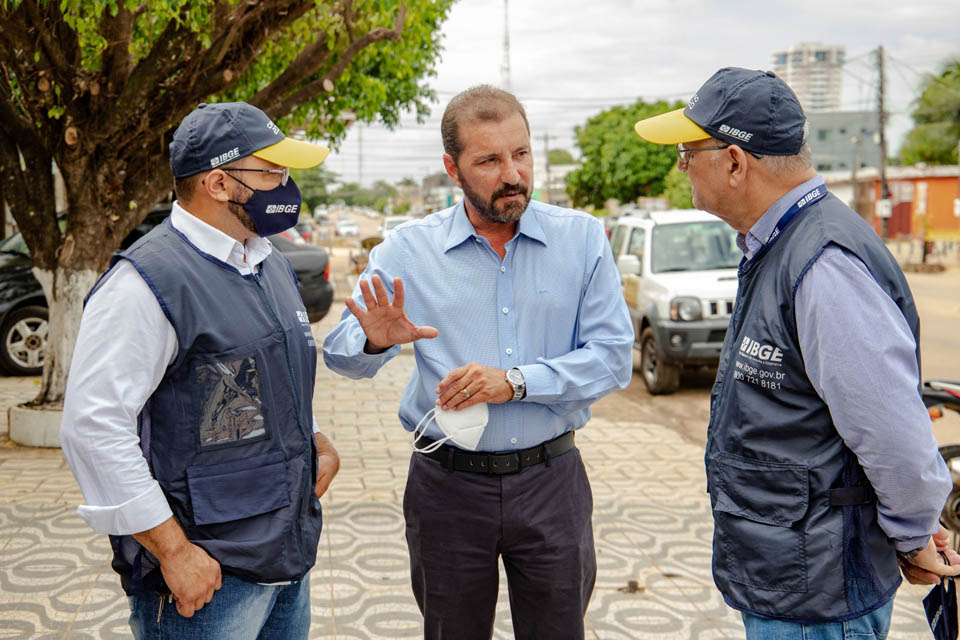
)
(274, 210)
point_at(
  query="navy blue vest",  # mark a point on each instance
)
(782, 548)
(228, 434)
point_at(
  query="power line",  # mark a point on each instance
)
(928, 75)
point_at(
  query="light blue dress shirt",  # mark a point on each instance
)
(552, 307)
(860, 356)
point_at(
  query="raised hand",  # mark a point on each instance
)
(383, 322)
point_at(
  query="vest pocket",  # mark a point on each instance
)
(238, 489)
(758, 539)
(230, 402)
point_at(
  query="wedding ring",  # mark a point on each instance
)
(466, 393)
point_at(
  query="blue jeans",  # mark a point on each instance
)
(240, 610)
(872, 626)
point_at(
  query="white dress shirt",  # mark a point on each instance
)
(124, 347)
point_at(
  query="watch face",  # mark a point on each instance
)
(515, 376)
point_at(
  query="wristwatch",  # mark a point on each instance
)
(515, 379)
(910, 555)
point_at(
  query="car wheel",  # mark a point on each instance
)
(659, 376)
(23, 341)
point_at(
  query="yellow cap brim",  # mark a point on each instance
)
(295, 154)
(670, 128)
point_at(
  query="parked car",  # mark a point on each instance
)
(292, 235)
(23, 311)
(23, 307)
(346, 228)
(392, 222)
(306, 231)
(679, 275)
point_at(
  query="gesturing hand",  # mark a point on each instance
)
(384, 323)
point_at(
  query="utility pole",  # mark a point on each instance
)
(856, 166)
(505, 66)
(546, 152)
(882, 121)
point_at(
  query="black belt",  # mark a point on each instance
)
(501, 463)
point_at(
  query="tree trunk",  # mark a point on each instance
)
(65, 290)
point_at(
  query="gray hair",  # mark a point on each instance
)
(482, 103)
(789, 165)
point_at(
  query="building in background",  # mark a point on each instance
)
(554, 192)
(439, 192)
(921, 197)
(815, 73)
(838, 139)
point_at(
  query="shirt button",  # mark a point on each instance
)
(503, 269)
(509, 351)
(478, 240)
(513, 441)
(505, 310)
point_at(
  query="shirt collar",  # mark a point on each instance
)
(215, 242)
(757, 237)
(462, 229)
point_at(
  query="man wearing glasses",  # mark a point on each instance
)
(822, 469)
(187, 420)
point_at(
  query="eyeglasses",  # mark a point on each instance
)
(684, 153)
(283, 173)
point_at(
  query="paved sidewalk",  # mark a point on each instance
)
(651, 519)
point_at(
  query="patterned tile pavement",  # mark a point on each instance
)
(652, 525)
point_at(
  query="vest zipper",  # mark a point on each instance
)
(296, 396)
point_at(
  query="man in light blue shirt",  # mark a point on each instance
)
(515, 305)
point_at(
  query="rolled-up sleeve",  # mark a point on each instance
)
(120, 357)
(602, 360)
(860, 356)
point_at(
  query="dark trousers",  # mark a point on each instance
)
(538, 520)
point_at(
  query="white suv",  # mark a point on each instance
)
(679, 275)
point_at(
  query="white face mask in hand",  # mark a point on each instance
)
(462, 428)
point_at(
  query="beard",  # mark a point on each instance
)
(492, 211)
(239, 213)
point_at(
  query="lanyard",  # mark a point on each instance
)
(808, 198)
(814, 195)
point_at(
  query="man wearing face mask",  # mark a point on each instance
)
(187, 419)
(529, 328)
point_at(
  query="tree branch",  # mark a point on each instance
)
(283, 107)
(117, 58)
(43, 24)
(13, 124)
(32, 207)
(202, 75)
(303, 66)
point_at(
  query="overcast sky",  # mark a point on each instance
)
(571, 59)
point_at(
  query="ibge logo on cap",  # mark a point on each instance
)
(274, 129)
(225, 157)
(735, 133)
(693, 101)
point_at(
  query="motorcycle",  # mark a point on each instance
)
(940, 396)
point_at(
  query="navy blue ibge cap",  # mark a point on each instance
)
(216, 134)
(754, 110)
